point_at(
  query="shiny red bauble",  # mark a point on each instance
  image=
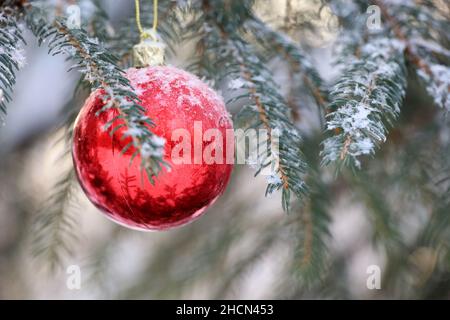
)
(173, 99)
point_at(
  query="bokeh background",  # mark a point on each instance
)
(245, 246)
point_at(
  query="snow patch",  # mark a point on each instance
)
(438, 84)
(237, 83)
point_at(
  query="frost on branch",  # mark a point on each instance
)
(11, 57)
(100, 69)
(427, 45)
(366, 99)
(437, 83)
(251, 83)
(267, 109)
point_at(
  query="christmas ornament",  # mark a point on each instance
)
(181, 106)
(177, 102)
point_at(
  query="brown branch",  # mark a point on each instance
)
(266, 124)
(315, 91)
(348, 141)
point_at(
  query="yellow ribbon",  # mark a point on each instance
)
(144, 35)
(148, 52)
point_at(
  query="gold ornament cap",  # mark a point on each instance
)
(150, 51)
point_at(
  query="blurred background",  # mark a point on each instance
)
(245, 246)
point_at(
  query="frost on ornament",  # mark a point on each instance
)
(112, 178)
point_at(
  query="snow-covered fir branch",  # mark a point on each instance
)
(252, 83)
(364, 101)
(54, 235)
(437, 81)
(100, 69)
(54, 228)
(12, 56)
(353, 29)
(272, 113)
(427, 47)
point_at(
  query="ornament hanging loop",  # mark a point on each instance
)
(150, 50)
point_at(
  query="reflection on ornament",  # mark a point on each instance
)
(173, 99)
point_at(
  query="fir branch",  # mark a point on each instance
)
(353, 32)
(54, 229)
(294, 55)
(98, 263)
(364, 101)
(312, 227)
(260, 249)
(272, 114)
(383, 222)
(11, 55)
(206, 247)
(422, 41)
(312, 234)
(70, 110)
(54, 217)
(265, 107)
(100, 69)
(98, 23)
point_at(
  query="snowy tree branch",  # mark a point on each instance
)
(54, 228)
(421, 44)
(265, 106)
(366, 99)
(100, 69)
(11, 55)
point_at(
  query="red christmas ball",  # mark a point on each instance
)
(174, 100)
